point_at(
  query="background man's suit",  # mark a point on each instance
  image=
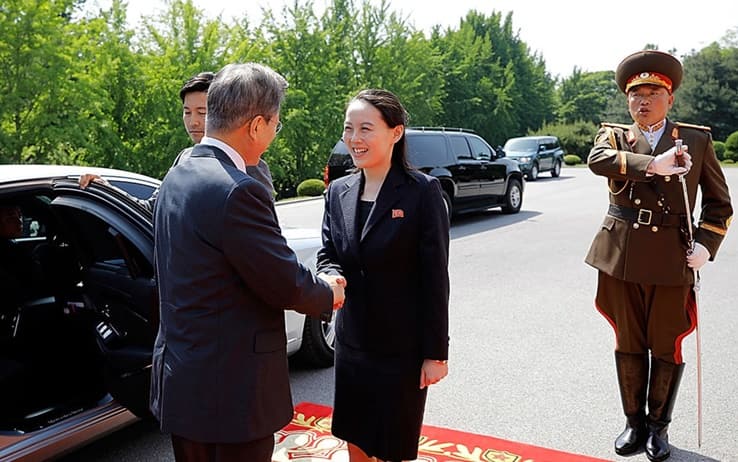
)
(225, 274)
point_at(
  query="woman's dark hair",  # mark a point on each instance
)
(393, 114)
(197, 83)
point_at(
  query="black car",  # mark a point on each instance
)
(536, 154)
(78, 317)
(473, 175)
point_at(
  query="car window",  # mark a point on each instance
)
(139, 190)
(480, 149)
(522, 144)
(426, 150)
(460, 147)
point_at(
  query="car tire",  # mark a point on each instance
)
(513, 197)
(533, 174)
(556, 170)
(449, 206)
(318, 343)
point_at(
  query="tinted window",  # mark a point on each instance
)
(141, 191)
(426, 150)
(460, 148)
(480, 150)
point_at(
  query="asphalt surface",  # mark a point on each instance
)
(531, 360)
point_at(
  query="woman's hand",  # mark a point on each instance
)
(432, 371)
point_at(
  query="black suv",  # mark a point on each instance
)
(472, 174)
(536, 154)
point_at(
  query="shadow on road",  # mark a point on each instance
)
(478, 222)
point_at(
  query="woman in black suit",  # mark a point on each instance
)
(385, 230)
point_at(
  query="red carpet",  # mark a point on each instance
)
(308, 439)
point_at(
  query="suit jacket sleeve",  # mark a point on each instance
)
(327, 261)
(254, 245)
(434, 242)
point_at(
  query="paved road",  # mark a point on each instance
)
(531, 360)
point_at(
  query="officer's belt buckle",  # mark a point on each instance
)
(644, 217)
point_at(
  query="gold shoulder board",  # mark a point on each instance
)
(704, 128)
(615, 125)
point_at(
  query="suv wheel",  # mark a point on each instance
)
(533, 174)
(513, 197)
(556, 170)
(318, 342)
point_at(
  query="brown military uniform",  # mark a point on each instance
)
(643, 238)
(644, 282)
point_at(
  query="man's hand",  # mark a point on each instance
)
(432, 371)
(87, 178)
(337, 283)
(665, 164)
(697, 258)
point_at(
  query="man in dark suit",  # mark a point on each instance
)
(646, 250)
(220, 381)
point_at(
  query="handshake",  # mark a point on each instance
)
(337, 284)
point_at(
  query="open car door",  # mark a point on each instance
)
(116, 250)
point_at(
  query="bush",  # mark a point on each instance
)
(729, 161)
(731, 147)
(572, 159)
(311, 187)
(719, 147)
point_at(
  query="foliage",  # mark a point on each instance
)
(709, 92)
(719, 148)
(576, 138)
(311, 187)
(572, 159)
(81, 86)
(731, 147)
(585, 96)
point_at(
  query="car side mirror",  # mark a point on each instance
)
(541, 148)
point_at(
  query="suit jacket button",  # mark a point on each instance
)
(637, 202)
(654, 228)
(636, 226)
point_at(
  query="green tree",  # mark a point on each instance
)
(585, 96)
(49, 105)
(709, 91)
(173, 46)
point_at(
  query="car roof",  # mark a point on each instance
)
(535, 137)
(20, 172)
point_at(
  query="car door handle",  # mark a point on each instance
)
(462, 168)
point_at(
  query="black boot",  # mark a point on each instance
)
(662, 391)
(633, 380)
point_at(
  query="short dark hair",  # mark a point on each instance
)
(394, 114)
(196, 83)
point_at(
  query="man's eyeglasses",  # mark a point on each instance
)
(279, 127)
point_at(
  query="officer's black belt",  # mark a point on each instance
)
(646, 217)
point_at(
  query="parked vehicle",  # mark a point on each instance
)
(473, 175)
(75, 354)
(536, 154)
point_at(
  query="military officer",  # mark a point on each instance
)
(642, 251)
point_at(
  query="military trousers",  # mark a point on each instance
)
(647, 317)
